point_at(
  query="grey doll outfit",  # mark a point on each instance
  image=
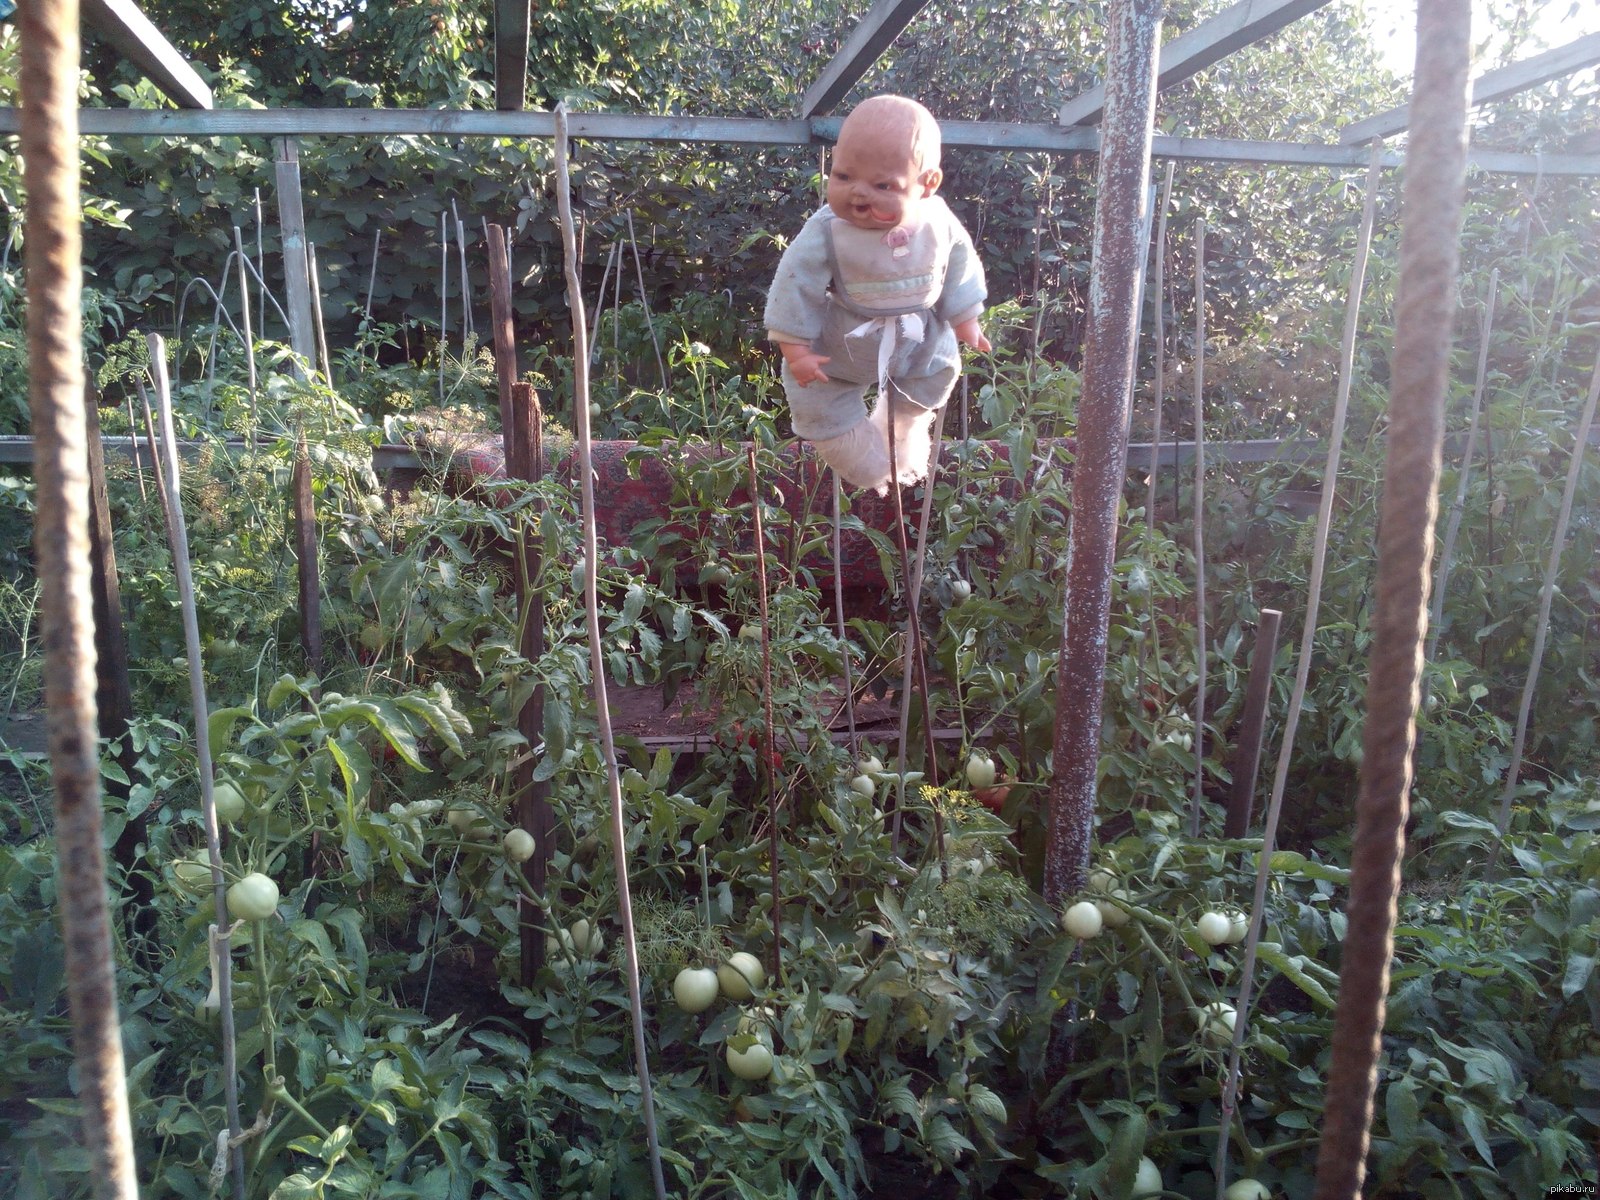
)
(881, 306)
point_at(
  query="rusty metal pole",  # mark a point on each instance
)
(1101, 467)
(1435, 175)
(52, 256)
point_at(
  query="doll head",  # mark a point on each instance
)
(885, 163)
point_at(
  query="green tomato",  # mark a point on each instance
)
(191, 874)
(1148, 1180)
(1248, 1189)
(1082, 920)
(980, 771)
(1238, 926)
(750, 1064)
(695, 989)
(253, 898)
(1114, 915)
(519, 845)
(960, 590)
(872, 766)
(1215, 928)
(587, 940)
(469, 823)
(863, 786)
(1102, 880)
(741, 975)
(1216, 1023)
(228, 800)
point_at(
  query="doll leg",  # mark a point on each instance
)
(913, 442)
(860, 455)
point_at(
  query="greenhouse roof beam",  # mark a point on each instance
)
(128, 30)
(1489, 87)
(512, 21)
(882, 24)
(976, 135)
(1208, 42)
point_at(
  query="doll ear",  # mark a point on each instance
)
(930, 181)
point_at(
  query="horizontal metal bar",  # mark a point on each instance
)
(979, 135)
(1241, 25)
(866, 43)
(1489, 87)
(131, 33)
(18, 449)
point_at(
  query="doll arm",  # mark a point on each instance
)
(970, 333)
(805, 364)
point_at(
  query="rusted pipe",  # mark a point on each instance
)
(1102, 451)
(1435, 175)
(52, 254)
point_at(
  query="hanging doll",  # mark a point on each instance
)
(877, 290)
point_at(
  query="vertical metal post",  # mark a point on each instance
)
(1101, 466)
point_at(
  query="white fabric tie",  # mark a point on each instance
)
(908, 326)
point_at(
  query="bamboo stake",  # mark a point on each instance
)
(372, 276)
(1546, 597)
(53, 252)
(915, 667)
(767, 768)
(1319, 556)
(1158, 290)
(838, 613)
(644, 302)
(1199, 525)
(178, 535)
(467, 327)
(1453, 526)
(249, 329)
(316, 313)
(591, 550)
(1159, 319)
(600, 300)
(444, 297)
(261, 265)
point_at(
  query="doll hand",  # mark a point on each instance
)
(970, 333)
(805, 364)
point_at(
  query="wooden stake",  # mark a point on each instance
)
(1252, 723)
(619, 846)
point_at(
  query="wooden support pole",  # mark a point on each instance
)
(533, 809)
(1252, 723)
(296, 272)
(114, 687)
(505, 346)
(305, 543)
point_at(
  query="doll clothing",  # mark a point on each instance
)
(881, 306)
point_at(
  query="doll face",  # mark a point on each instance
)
(877, 180)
